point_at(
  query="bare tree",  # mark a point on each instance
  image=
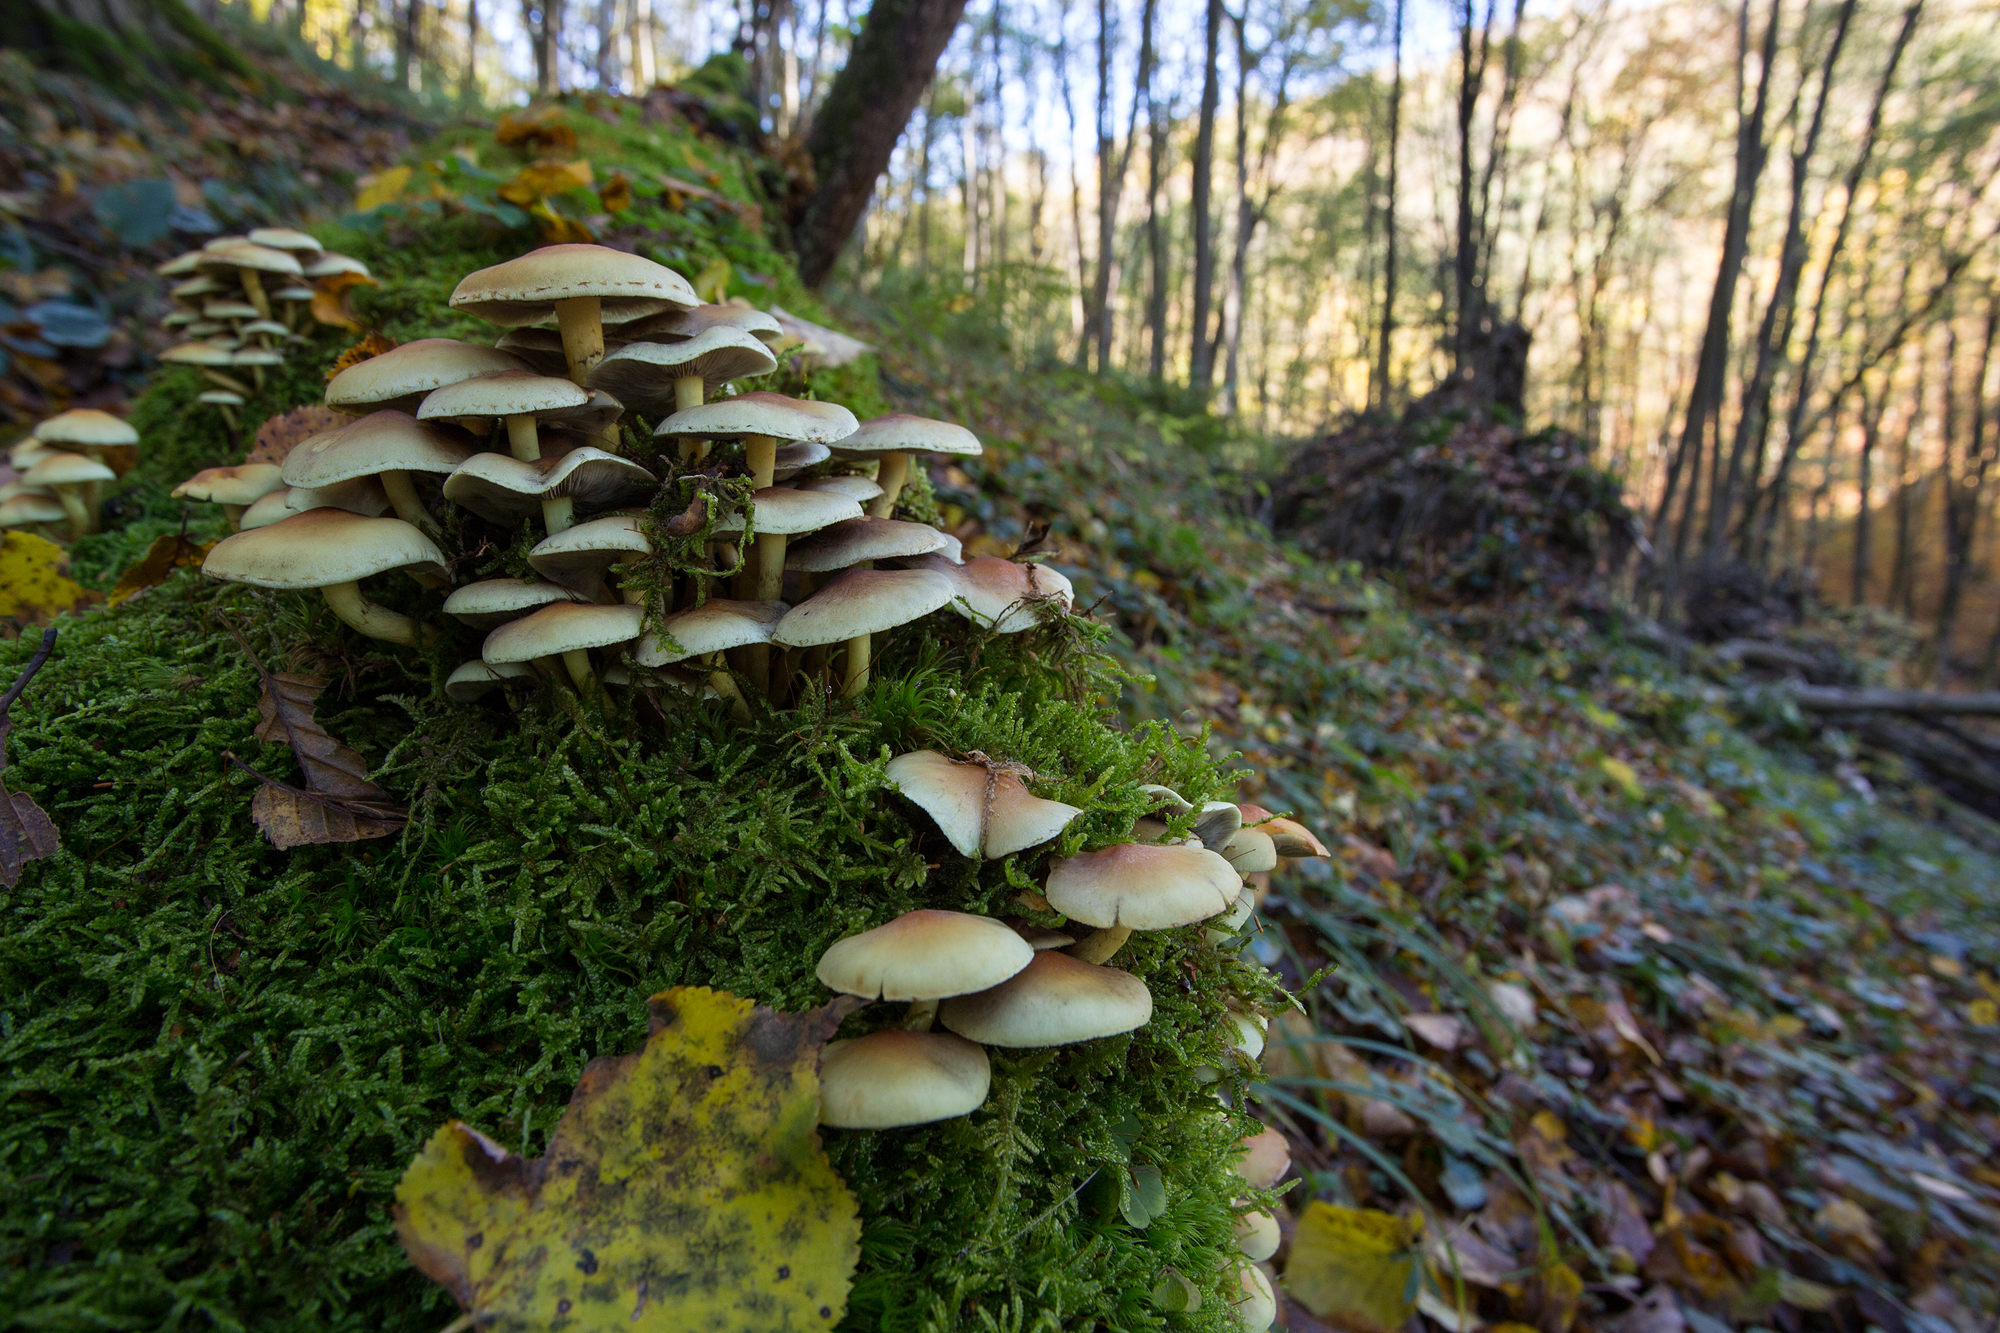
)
(1379, 385)
(1965, 494)
(1201, 363)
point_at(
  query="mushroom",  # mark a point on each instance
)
(362, 495)
(402, 377)
(331, 263)
(1217, 823)
(180, 265)
(892, 439)
(760, 420)
(1001, 595)
(31, 507)
(223, 399)
(258, 359)
(857, 541)
(250, 262)
(209, 359)
(858, 604)
(85, 430)
(792, 459)
(1289, 838)
(780, 514)
(520, 398)
(1139, 886)
(491, 603)
(568, 630)
(1257, 1306)
(73, 478)
(1054, 1001)
(923, 957)
(982, 811)
(473, 681)
(1250, 851)
(265, 511)
(859, 489)
(297, 243)
(1264, 1159)
(503, 489)
(389, 445)
(332, 550)
(681, 325)
(1257, 1234)
(708, 631)
(893, 1077)
(234, 488)
(230, 310)
(576, 285)
(542, 349)
(578, 558)
(662, 377)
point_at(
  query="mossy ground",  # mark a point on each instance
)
(218, 1057)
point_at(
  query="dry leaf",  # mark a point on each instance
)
(1354, 1265)
(1439, 1030)
(35, 583)
(167, 554)
(539, 180)
(384, 188)
(616, 193)
(333, 299)
(543, 131)
(338, 803)
(280, 434)
(26, 833)
(684, 1188)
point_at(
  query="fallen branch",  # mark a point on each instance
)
(1826, 699)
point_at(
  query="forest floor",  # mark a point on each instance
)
(1639, 1015)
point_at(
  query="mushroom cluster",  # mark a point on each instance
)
(61, 467)
(990, 983)
(534, 431)
(238, 302)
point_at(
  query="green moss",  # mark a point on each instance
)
(218, 1057)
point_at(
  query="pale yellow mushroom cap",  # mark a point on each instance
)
(680, 325)
(243, 484)
(899, 432)
(1257, 1235)
(31, 507)
(245, 254)
(402, 376)
(783, 510)
(331, 262)
(262, 513)
(981, 812)
(1053, 1001)
(760, 413)
(284, 238)
(473, 681)
(562, 627)
(322, 547)
(87, 426)
(198, 354)
(491, 603)
(715, 626)
(1143, 886)
(893, 1077)
(510, 393)
(525, 290)
(1002, 595)
(859, 489)
(63, 469)
(851, 541)
(578, 557)
(1265, 1159)
(925, 955)
(644, 374)
(1257, 1307)
(379, 442)
(862, 601)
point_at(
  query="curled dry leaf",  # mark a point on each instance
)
(167, 554)
(338, 802)
(26, 833)
(684, 1188)
(333, 299)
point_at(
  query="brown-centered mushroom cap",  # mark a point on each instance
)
(681, 325)
(491, 603)
(525, 290)
(357, 495)
(501, 488)
(999, 594)
(1250, 851)
(643, 374)
(385, 441)
(31, 507)
(862, 601)
(854, 540)
(578, 557)
(1288, 836)
(925, 955)
(893, 1077)
(510, 393)
(981, 811)
(760, 413)
(244, 254)
(1266, 1157)
(899, 432)
(1053, 1001)
(1143, 886)
(330, 262)
(562, 627)
(715, 626)
(266, 510)
(858, 489)
(795, 458)
(86, 426)
(401, 377)
(322, 547)
(244, 484)
(788, 512)
(66, 469)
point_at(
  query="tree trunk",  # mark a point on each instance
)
(1110, 173)
(1246, 226)
(607, 45)
(1466, 313)
(1201, 364)
(1871, 435)
(1902, 560)
(468, 83)
(1965, 495)
(1079, 311)
(856, 129)
(1157, 126)
(1379, 390)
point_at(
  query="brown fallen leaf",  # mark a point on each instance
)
(338, 802)
(26, 833)
(333, 299)
(280, 434)
(690, 520)
(167, 554)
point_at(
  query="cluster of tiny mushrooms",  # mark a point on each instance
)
(59, 468)
(594, 331)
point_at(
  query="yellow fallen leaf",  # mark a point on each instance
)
(1982, 1013)
(712, 283)
(35, 583)
(167, 554)
(1354, 1265)
(333, 299)
(616, 193)
(383, 188)
(684, 1188)
(1624, 775)
(539, 180)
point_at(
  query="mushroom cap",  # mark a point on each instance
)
(357, 495)
(180, 265)
(266, 510)
(473, 681)
(525, 290)
(330, 262)
(501, 488)
(796, 457)
(227, 309)
(1053, 1001)
(402, 376)
(562, 627)
(715, 626)
(981, 811)
(925, 955)
(1250, 851)
(509, 393)
(256, 356)
(178, 318)
(892, 1078)
(862, 601)
(190, 288)
(198, 354)
(1166, 798)
(680, 325)
(1144, 886)
(853, 540)
(1256, 1308)
(899, 432)
(858, 489)
(23, 455)
(270, 326)
(760, 413)
(244, 484)
(31, 507)
(294, 292)
(1001, 595)
(284, 238)
(491, 603)
(1257, 1235)
(542, 349)
(787, 512)
(206, 329)
(643, 374)
(1217, 823)
(380, 442)
(1288, 836)
(1042, 937)
(246, 254)
(87, 426)
(65, 469)
(1266, 1157)
(13, 488)
(322, 547)
(577, 557)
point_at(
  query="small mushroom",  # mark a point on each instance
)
(659, 377)
(223, 400)
(983, 812)
(578, 558)
(251, 262)
(331, 263)
(1001, 595)
(759, 420)
(708, 631)
(402, 377)
(1257, 1234)
(857, 541)
(855, 606)
(576, 285)
(473, 681)
(504, 489)
(491, 603)
(568, 630)
(72, 477)
(859, 489)
(892, 439)
(209, 359)
(1055, 1000)
(266, 510)
(361, 495)
(923, 957)
(31, 508)
(234, 488)
(780, 514)
(332, 550)
(681, 325)
(1139, 886)
(296, 243)
(388, 445)
(1256, 1308)
(895, 1077)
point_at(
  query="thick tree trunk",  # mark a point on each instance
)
(1157, 127)
(1201, 364)
(468, 82)
(1466, 312)
(1902, 559)
(1379, 391)
(1110, 172)
(856, 129)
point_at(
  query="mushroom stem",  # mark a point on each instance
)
(402, 498)
(1099, 945)
(228, 382)
(920, 1015)
(770, 565)
(724, 686)
(234, 513)
(253, 287)
(577, 662)
(377, 622)
(760, 455)
(895, 470)
(78, 509)
(558, 514)
(523, 440)
(688, 392)
(581, 319)
(858, 649)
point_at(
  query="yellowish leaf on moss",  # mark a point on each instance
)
(35, 583)
(1624, 775)
(539, 180)
(616, 193)
(684, 1188)
(1354, 1266)
(167, 554)
(712, 283)
(383, 188)
(333, 299)
(1983, 1013)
